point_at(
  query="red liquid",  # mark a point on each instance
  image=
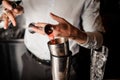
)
(52, 39)
(49, 32)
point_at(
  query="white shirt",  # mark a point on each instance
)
(72, 11)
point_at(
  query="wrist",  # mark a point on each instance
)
(79, 36)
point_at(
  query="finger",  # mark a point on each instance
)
(6, 21)
(11, 18)
(6, 5)
(18, 10)
(57, 18)
(40, 24)
(40, 31)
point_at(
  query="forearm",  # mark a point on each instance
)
(87, 39)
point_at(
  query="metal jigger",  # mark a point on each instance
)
(60, 58)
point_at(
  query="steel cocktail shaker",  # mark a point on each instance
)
(60, 58)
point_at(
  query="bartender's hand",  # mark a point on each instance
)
(9, 13)
(63, 29)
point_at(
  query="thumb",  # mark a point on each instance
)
(6, 4)
(56, 18)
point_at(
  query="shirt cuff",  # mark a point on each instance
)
(94, 40)
(91, 41)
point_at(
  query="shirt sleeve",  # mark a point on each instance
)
(92, 24)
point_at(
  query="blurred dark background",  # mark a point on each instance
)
(12, 44)
(110, 11)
